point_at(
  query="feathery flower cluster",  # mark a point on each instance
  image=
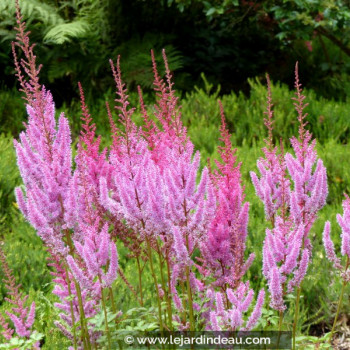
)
(149, 190)
(293, 190)
(21, 316)
(224, 247)
(273, 186)
(44, 151)
(230, 307)
(153, 182)
(344, 223)
(98, 253)
(62, 205)
(65, 290)
(46, 173)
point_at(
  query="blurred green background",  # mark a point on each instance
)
(216, 50)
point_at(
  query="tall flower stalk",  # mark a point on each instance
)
(149, 192)
(20, 315)
(158, 197)
(224, 246)
(61, 204)
(344, 223)
(293, 190)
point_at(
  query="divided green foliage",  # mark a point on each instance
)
(33, 10)
(75, 39)
(136, 63)
(63, 32)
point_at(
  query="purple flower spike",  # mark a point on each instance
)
(292, 194)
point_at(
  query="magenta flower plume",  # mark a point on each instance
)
(172, 133)
(292, 193)
(100, 257)
(65, 290)
(300, 273)
(344, 223)
(310, 187)
(62, 205)
(21, 316)
(92, 162)
(329, 247)
(82, 204)
(185, 202)
(224, 246)
(44, 150)
(154, 195)
(125, 193)
(180, 247)
(273, 186)
(231, 316)
(46, 175)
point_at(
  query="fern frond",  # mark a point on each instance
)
(66, 31)
(32, 10)
(135, 54)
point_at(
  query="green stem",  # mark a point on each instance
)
(149, 252)
(190, 301)
(184, 316)
(114, 308)
(103, 300)
(338, 309)
(165, 289)
(71, 310)
(84, 327)
(189, 291)
(279, 328)
(296, 315)
(162, 278)
(339, 302)
(170, 311)
(140, 279)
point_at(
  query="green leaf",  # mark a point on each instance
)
(211, 11)
(67, 31)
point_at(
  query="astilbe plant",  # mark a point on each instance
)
(344, 223)
(224, 246)
(229, 309)
(293, 190)
(58, 202)
(158, 196)
(148, 191)
(21, 316)
(154, 190)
